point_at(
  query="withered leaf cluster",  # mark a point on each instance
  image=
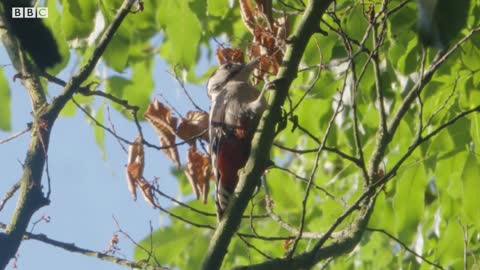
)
(199, 170)
(269, 39)
(269, 35)
(229, 55)
(135, 167)
(193, 126)
(165, 126)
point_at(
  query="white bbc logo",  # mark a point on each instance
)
(29, 12)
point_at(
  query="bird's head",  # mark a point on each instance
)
(229, 72)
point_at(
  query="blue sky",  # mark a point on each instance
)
(87, 190)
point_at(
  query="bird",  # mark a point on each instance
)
(34, 36)
(440, 21)
(234, 115)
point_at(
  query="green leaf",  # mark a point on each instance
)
(188, 214)
(458, 134)
(286, 195)
(407, 62)
(176, 246)
(116, 54)
(78, 18)
(475, 131)
(182, 34)
(373, 245)
(471, 187)
(471, 56)
(326, 85)
(319, 47)
(54, 22)
(100, 131)
(408, 202)
(383, 214)
(355, 22)
(450, 245)
(448, 177)
(217, 8)
(69, 109)
(137, 90)
(401, 22)
(116, 85)
(5, 103)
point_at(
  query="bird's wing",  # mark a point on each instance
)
(239, 95)
(231, 128)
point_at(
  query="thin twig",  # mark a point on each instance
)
(348, 42)
(312, 176)
(146, 143)
(305, 180)
(269, 206)
(465, 244)
(198, 211)
(9, 195)
(290, 6)
(444, 104)
(18, 134)
(127, 235)
(182, 85)
(87, 252)
(113, 129)
(250, 245)
(406, 247)
(419, 140)
(377, 42)
(327, 148)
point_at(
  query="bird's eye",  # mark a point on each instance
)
(229, 66)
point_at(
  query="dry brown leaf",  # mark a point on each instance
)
(195, 123)
(135, 165)
(165, 125)
(248, 15)
(287, 243)
(269, 36)
(229, 55)
(115, 240)
(147, 192)
(198, 173)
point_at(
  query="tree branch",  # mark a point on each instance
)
(441, 57)
(263, 139)
(87, 252)
(347, 239)
(31, 197)
(74, 83)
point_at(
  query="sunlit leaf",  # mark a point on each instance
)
(100, 131)
(471, 186)
(408, 202)
(5, 103)
(185, 52)
(217, 8)
(78, 18)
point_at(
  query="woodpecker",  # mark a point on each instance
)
(234, 115)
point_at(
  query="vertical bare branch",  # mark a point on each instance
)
(31, 197)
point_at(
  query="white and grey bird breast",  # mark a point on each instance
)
(231, 103)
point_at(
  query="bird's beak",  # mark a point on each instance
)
(251, 65)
